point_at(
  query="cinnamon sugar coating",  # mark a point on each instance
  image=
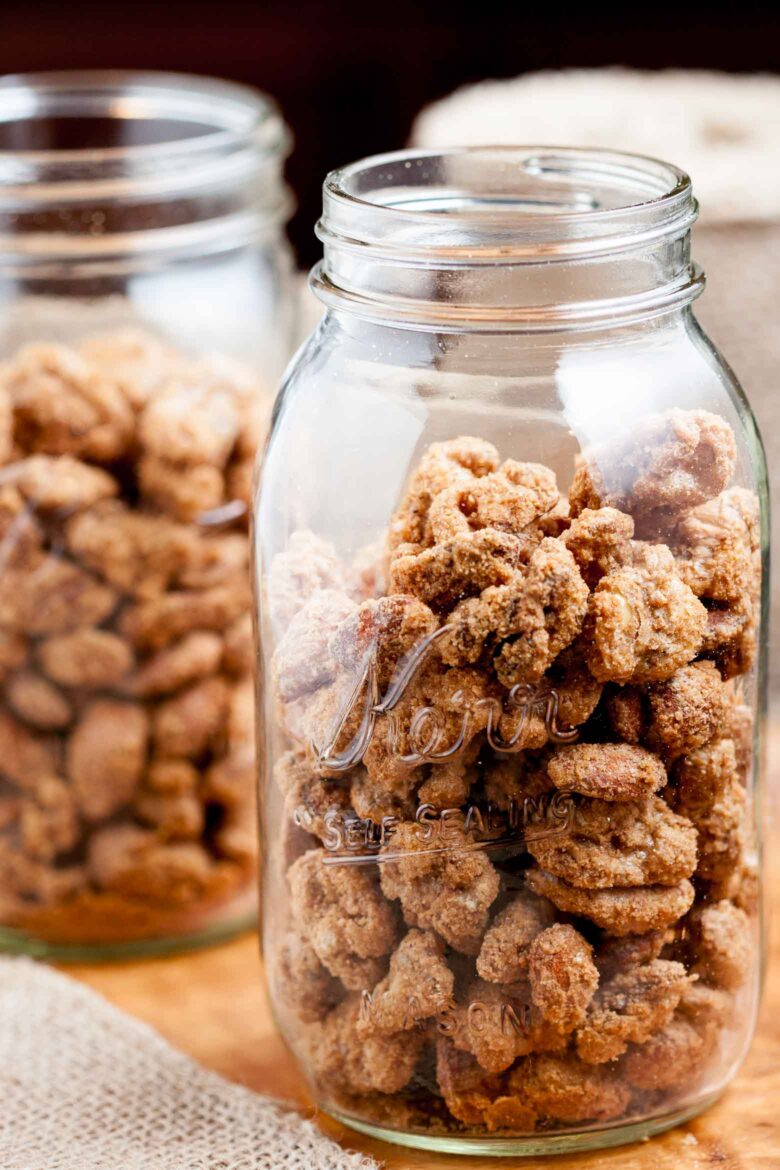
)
(562, 975)
(629, 1008)
(709, 792)
(722, 944)
(345, 1059)
(611, 771)
(505, 951)
(562, 1088)
(620, 910)
(418, 986)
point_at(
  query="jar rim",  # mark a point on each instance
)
(229, 112)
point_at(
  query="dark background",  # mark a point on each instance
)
(350, 76)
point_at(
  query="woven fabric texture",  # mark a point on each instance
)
(85, 1087)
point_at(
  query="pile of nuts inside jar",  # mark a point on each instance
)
(518, 857)
(126, 696)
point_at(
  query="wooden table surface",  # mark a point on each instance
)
(213, 1005)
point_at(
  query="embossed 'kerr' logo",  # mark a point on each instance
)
(428, 735)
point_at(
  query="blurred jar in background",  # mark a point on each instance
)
(145, 310)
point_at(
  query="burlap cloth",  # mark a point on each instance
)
(725, 131)
(85, 1087)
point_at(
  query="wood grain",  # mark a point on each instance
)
(213, 1005)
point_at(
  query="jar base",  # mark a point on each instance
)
(532, 1146)
(19, 942)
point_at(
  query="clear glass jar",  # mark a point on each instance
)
(145, 313)
(509, 545)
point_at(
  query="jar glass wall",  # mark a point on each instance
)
(145, 313)
(511, 554)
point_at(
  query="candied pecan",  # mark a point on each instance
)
(504, 954)
(172, 777)
(599, 539)
(60, 483)
(303, 660)
(670, 1058)
(86, 658)
(307, 565)
(153, 624)
(24, 756)
(194, 657)
(497, 1023)
(562, 1088)
(344, 916)
(30, 880)
(184, 492)
(718, 544)
(63, 406)
(442, 884)
(106, 756)
(633, 910)
(707, 1008)
(418, 985)
(670, 462)
(309, 798)
(36, 700)
(449, 782)
(135, 552)
(441, 576)
(562, 975)
(608, 844)
(507, 500)
(477, 1098)
(643, 621)
(51, 596)
(176, 816)
(137, 361)
(443, 465)
(186, 724)
(616, 955)
(214, 558)
(125, 859)
(629, 1008)
(238, 653)
(48, 819)
(344, 1058)
(300, 981)
(626, 713)
(686, 710)
(192, 423)
(740, 728)
(707, 790)
(612, 771)
(722, 944)
(388, 629)
(542, 616)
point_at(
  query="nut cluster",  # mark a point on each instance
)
(443, 962)
(126, 704)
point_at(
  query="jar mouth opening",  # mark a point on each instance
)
(503, 200)
(83, 119)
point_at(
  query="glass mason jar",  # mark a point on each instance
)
(510, 547)
(145, 313)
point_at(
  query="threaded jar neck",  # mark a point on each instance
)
(102, 166)
(506, 238)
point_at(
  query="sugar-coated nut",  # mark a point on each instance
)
(63, 406)
(387, 630)
(214, 558)
(188, 723)
(717, 545)
(136, 553)
(440, 576)
(508, 500)
(177, 817)
(37, 701)
(497, 1023)
(629, 1008)
(48, 819)
(448, 888)
(666, 464)
(632, 910)
(151, 625)
(708, 791)
(195, 656)
(238, 652)
(462, 460)
(722, 944)
(24, 878)
(670, 1058)
(615, 955)
(611, 844)
(345, 1059)
(599, 539)
(347, 921)
(309, 797)
(138, 361)
(418, 986)
(191, 423)
(562, 1088)
(24, 756)
(505, 950)
(307, 565)
(106, 756)
(686, 710)
(303, 660)
(300, 982)
(60, 483)
(612, 771)
(643, 621)
(171, 777)
(87, 658)
(125, 859)
(184, 492)
(51, 595)
(562, 975)
(625, 709)
(477, 1098)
